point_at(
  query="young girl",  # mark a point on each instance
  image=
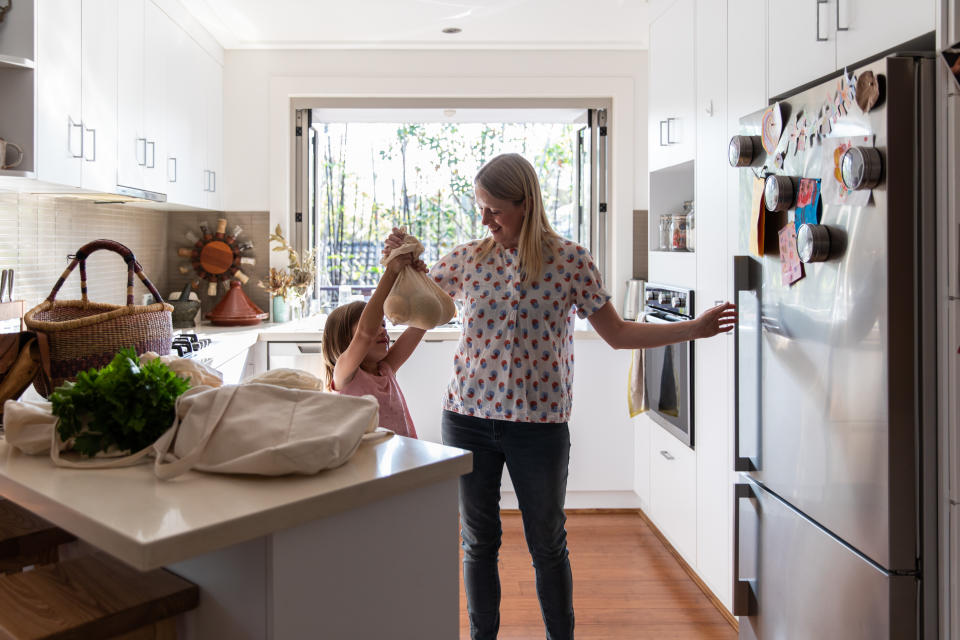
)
(358, 357)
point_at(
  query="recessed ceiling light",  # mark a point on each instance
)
(449, 112)
(452, 30)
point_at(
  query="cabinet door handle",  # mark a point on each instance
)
(819, 4)
(153, 154)
(662, 124)
(666, 454)
(670, 140)
(213, 175)
(71, 125)
(93, 146)
(839, 28)
(744, 598)
(141, 143)
(174, 172)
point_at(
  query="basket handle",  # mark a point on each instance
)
(80, 257)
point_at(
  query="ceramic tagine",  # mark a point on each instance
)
(236, 309)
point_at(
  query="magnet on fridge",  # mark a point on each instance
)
(868, 91)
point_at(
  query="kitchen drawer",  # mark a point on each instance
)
(673, 491)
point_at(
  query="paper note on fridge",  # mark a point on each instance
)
(832, 187)
(808, 200)
(757, 214)
(791, 268)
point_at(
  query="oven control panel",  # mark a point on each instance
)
(675, 301)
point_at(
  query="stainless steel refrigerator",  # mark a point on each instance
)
(835, 509)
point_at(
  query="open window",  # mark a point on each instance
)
(364, 167)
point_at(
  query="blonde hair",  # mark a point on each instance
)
(510, 176)
(337, 335)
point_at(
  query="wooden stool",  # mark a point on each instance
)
(27, 539)
(94, 596)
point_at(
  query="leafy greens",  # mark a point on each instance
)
(126, 404)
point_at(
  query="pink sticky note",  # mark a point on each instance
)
(791, 268)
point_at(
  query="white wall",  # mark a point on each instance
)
(258, 86)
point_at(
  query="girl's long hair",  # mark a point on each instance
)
(337, 334)
(510, 176)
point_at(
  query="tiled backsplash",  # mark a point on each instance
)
(255, 227)
(38, 232)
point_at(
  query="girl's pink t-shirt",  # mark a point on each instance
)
(394, 414)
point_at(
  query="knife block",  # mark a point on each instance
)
(11, 311)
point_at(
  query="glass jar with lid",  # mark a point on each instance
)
(691, 225)
(678, 232)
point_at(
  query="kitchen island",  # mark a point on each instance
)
(366, 550)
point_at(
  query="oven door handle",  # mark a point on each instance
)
(747, 275)
(652, 319)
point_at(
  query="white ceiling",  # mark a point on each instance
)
(417, 24)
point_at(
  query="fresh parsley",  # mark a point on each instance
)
(126, 404)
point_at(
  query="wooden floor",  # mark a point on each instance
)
(626, 585)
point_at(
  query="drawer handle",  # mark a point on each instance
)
(666, 454)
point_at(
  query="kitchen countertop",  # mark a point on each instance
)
(150, 523)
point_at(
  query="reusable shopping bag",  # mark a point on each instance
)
(415, 300)
(263, 429)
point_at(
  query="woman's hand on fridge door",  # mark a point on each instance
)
(718, 319)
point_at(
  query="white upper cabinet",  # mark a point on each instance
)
(809, 39)
(214, 130)
(126, 97)
(59, 116)
(672, 127)
(802, 42)
(131, 139)
(98, 81)
(865, 27)
(77, 93)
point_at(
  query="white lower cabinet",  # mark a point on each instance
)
(673, 492)
(423, 379)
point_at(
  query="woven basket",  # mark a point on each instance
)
(76, 335)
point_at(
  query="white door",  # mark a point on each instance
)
(672, 129)
(214, 130)
(131, 139)
(59, 118)
(801, 42)
(865, 27)
(98, 77)
(160, 34)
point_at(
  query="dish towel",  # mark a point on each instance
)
(636, 390)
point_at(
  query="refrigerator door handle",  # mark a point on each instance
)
(746, 277)
(744, 596)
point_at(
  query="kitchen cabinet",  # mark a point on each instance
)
(423, 379)
(60, 117)
(714, 489)
(642, 425)
(213, 90)
(161, 133)
(814, 38)
(98, 90)
(671, 123)
(865, 27)
(673, 492)
(77, 93)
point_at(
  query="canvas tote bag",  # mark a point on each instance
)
(263, 429)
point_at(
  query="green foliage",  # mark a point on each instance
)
(127, 403)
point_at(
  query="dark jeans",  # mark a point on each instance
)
(537, 457)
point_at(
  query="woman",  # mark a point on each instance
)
(509, 398)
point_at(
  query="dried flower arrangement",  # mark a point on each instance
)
(299, 275)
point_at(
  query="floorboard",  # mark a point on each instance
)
(627, 585)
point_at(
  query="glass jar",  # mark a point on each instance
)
(678, 232)
(691, 225)
(664, 232)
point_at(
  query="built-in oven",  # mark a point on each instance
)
(668, 370)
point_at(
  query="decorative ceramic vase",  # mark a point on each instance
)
(280, 310)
